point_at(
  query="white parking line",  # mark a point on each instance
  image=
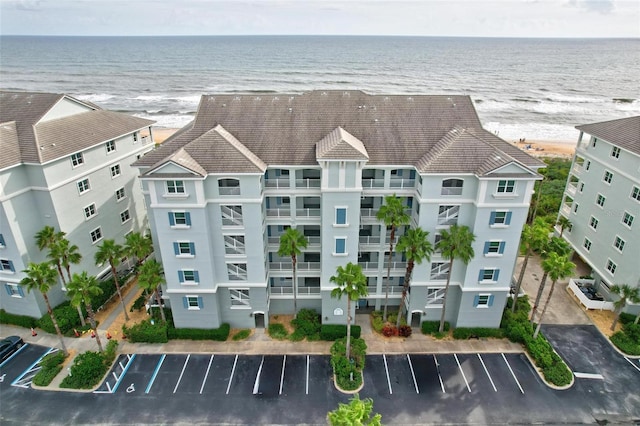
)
(514, 376)
(488, 375)
(14, 354)
(233, 369)
(588, 375)
(630, 362)
(438, 370)
(155, 373)
(307, 385)
(462, 371)
(184, 367)
(284, 361)
(256, 384)
(206, 375)
(415, 383)
(386, 369)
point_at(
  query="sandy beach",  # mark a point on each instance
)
(537, 148)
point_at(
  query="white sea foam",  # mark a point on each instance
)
(533, 131)
(96, 98)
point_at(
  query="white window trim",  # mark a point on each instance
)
(7, 271)
(122, 198)
(503, 195)
(177, 195)
(188, 282)
(86, 218)
(111, 169)
(492, 281)
(78, 186)
(606, 267)
(244, 306)
(73, 166)
(109, 143)
(335, 240)
(122, 222)
(500, 225)
(484, 305)
(15, 293)
(177, 225)
(497, 254)
(185, 255)
(189, 307)
(91, 236)
(624, 243)
(591, 219)
(630, 215)
(346, 217)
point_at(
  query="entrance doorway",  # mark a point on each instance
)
(415, 319)
(259, 319)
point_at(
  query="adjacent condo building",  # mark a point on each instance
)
(222, 190)
(602, 202)
(65, 163)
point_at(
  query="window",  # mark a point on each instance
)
(2, 243)
(231, 215)
(627, 219)
(451, 187)
(506, 186)
(115, 171)
(593, 223)
(439, 270)
(341, 246)
(618, 243)
(184, 249)
(125, 216)
(111, 146)
(494, 247)
(83, 186)
(608, 176)
(77, 159)
(180, 219)
(90, 211)
(593, 144)
(635, 193)
(237, 271)
(341, 216)
(120, 194)
(175, 187)
(14, 290)
(448, 215)
(188, 277)
(229, 186)
(615, 152)
(96, 235)
(575, 207)
(135, 137)
(489, 275)
(600, 200)
(436, 243)
(192, 303)
(435, 296)
(500, 218)
(234, 244)
(587, 244)
(611, 267)
(483, 301)
(581, 188)
(6, 265)
(239, 298)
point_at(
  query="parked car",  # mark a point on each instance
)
(9, 345)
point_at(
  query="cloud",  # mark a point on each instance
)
(600, 6)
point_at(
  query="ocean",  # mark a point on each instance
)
(538, 89)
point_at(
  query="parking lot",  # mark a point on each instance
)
(282, 375)
(19, 369)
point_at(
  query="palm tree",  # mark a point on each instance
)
(62, 253)
(81, 288)
(291, 241)
(558, 267)
(46, 236)
(392, 214)
(351, 282)
(455, 243)
(554, 245)
(564, 223)
(138, 246)
(41, 277)
(534, 237)
(112, 253)
(151, 276)
(627, 294)
(356, 412)
(416, 247)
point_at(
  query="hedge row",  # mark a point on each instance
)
(476, 332)
(90, 367)
(218, 334)
(331, 332)
(19, 320)
(66, 316)
(50, 367)
(146, 332)
(432, 327)
(345, 369)
(628, 340)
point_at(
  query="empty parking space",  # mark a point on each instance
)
(320, 375)
(168, 374)
(475, 373)
(138, 374)
(270, 378)
(20, 364)
(244, 375)
(453, 378)
(400, 374)
(194, 374)
(502, 373)
(426, 372)
(217, 380)
(295, 375)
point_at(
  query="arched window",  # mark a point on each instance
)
(452, 187)
(229, 186)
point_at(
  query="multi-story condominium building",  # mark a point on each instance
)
(602, 202)
(223, 189)
(67, 164)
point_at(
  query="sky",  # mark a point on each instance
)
(474, 18)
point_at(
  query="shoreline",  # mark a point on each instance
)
(537, 148)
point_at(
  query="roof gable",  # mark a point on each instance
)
(623, 132)
(341, 145)
(511, 168)
(65, 107)
(171, 168)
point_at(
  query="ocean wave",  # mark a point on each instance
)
(533, 131)
(96, 97)
(623, 100)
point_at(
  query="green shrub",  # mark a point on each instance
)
(66, 316)
(109, 354)
(50, 367)
(336, 331)
(139, 303)
(632, 331)
(625, 343)
(277, 331)
(466, 333)
(219, 334)
(558, 373)
(345, 369)
(108, 289)
(377, 323)
(52, 360)
(626, 318)
(87, 370)
(145, 332)
(19, 320)
(307, 324)
(432, 327)
(242, 334)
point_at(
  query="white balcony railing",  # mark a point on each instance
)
(277, 183)
(308, 183)
(368, 213)
(300, 266)
(583, 289)
(302, 291)
(571, 189)
(308, 212)
(229, 190)
(372, 183)
(284, 212)
(402, 183)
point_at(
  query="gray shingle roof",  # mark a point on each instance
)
(623, 132)
(9, 146)
(43, 142)
(284, 129)
(341, 145)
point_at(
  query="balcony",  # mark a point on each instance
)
(282, 212)
(302, 291)
(288, 266)
(372, 183)
(310, 183)
(368, 214)
(402, 183)
(566, 209)
(572, 189)
(369, 240)
(394, 290)
(229, 190)
(277, 183)
(308, 212)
